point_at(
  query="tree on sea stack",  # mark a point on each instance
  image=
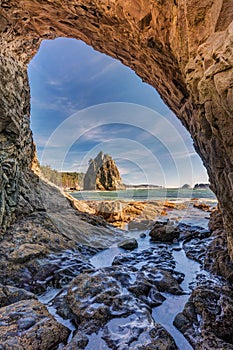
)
(103, 174)
(186, 186)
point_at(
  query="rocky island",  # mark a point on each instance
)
(103, 174)
(201, 186)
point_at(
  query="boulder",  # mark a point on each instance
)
(27, 325)
(202, 206)
(207, 318)
(10, 295)
(164, 232)
(128, 244)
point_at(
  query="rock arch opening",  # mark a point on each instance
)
(66, 76)
(177, 47)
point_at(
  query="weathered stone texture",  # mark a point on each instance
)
(16, 148)
(183, 48)
(27, 324)
(103, 174)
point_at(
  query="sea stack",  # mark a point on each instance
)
(103, 174)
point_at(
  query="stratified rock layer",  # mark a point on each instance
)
(102, 174)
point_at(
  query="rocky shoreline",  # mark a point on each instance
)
(140, 213)
(53, 295)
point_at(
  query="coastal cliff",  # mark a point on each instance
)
(102, 174)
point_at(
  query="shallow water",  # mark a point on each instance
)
(47, 298)
(165, 313)
(105, 258)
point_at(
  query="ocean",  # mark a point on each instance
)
(171, 194)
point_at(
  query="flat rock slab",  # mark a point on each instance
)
(28, 325)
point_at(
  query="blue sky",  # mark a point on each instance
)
(83, 101)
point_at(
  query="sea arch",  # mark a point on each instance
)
(183, 48)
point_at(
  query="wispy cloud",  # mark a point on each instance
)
(53, 82)
(57, 104)
(105, 70)
(148, 146)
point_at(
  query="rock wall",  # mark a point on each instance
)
(18, 185)
(182, 47)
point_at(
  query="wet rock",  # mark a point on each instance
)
(217, 258)
(10, 295)
(177, 249)
(202, 206)
(100, 296)
(159, 256)
(28, 325)
(26, 252)
(136, 331)
(79, 341)
(164, 232)
(56, 271)
(164, 281)
(207, 317)
(196, 249)
(91, 294)
(128, 244)
(112, 307)
(155, 298)
(196, 244)
(141, 336)
(142, 235)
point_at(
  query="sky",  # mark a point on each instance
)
(83, 102)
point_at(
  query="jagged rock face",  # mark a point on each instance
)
(183, 48)
(108, 177)
(18, 193)
(102, 174)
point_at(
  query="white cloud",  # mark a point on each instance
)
(53, 82)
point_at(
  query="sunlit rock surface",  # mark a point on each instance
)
(103, 174)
